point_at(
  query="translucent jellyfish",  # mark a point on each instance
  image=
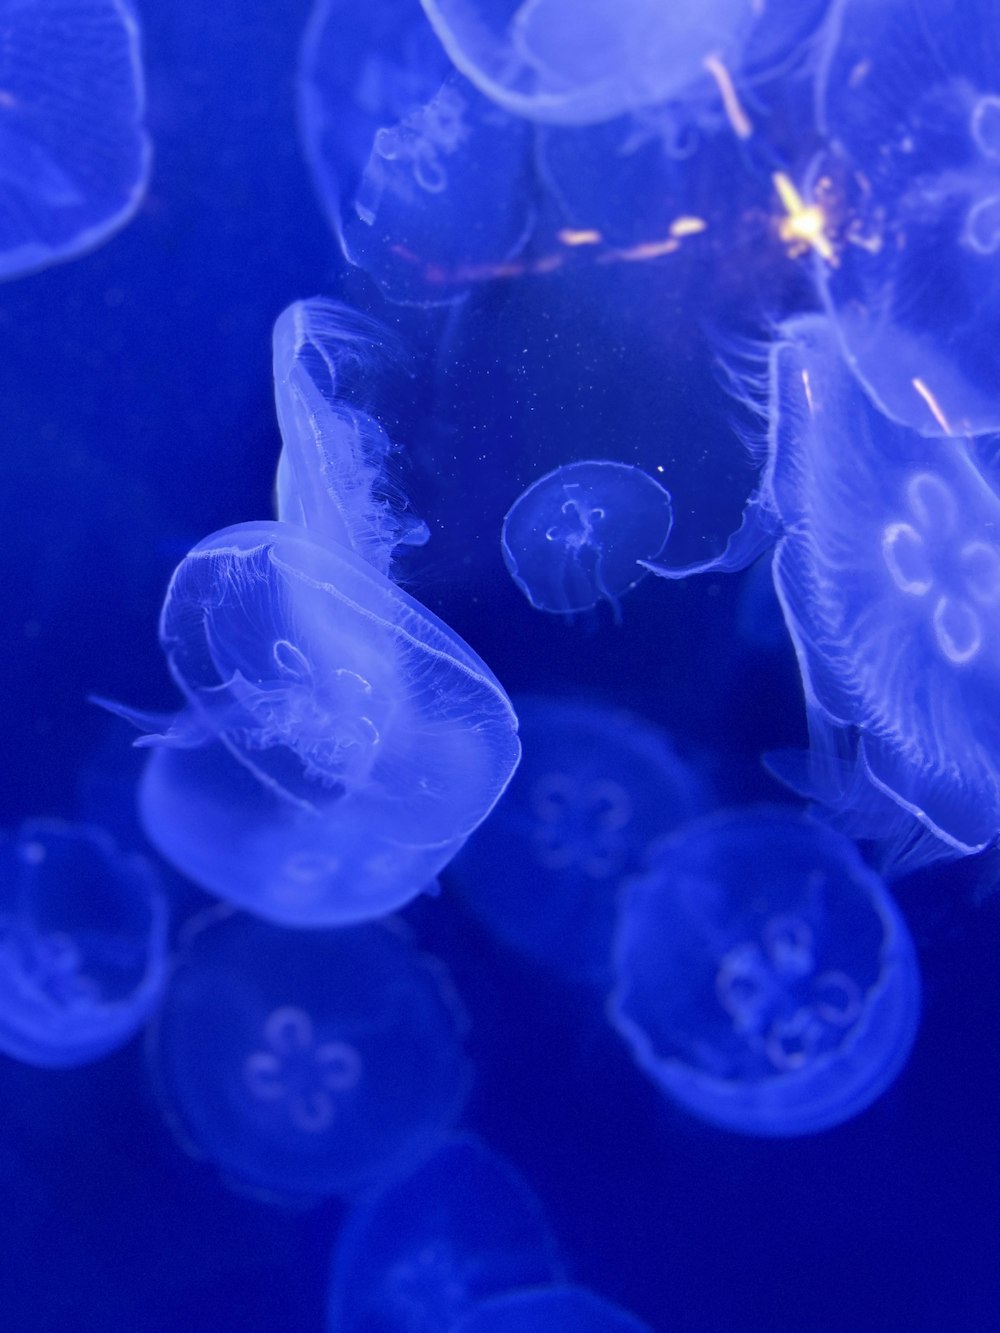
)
(82, 944)
(909, 97)
(582, 63)
(765, 979)
(339, 742)
(576, 536)
(549, 1310)
(416, 1258)
(74, 157)
(331, 365)
(888, 570)
(307, 1063)
(596, 787)
(440, 188)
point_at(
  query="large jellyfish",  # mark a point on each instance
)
(74, 156)
(418, 1256)
(82, 944)
(307, 1063)
(888, 570)
(597, 786)
(766, 981)
(577, 535)
(909, 97)
(553, 1309)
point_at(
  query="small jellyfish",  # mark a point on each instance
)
(909, 98)
(766, 981)
(596, 787)
(74, 156)
(577, 535)
(303, 1064)
(82, 944)
(549, 1310)
(334, 473)
(339, 742)
(419, 1256)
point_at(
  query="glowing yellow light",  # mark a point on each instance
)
(737, 117)
(570, 236)
(805, 224)
(687, 226)
(647, 250)
(933, 405)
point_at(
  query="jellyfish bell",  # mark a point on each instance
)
(553, 1309)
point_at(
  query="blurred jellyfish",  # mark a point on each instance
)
(416, 1258)
(596, 787)
(582, 63)
(765, 979)
(909, 97)
(339, 742)
(82, 944)
(549, 1310)
(307, 1063)
(74, 157)
(440, 191)
(334, 473)
(577, 535)
(888, 571)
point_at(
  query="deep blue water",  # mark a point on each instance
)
(136, 393)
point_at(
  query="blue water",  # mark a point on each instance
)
(554, 290)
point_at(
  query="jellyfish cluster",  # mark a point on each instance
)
(502, 810)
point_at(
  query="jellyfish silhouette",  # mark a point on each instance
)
(597, 786)
(888, 570)
(339, 742)
(549, 1310)
(909, 97)
(82, 944)
(579, 534)
(307, 1063)
(765, 979)
(420, 1255)
(74, 156)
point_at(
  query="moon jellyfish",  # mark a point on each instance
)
(417, 1257)
(549, 1310)
(334, 473)
(596, 787)
(82, 944)
(582, 63)
(765, 979)
(74, 157)
(576, 536)
(909, 97)
(339, 742)
(307, 1063)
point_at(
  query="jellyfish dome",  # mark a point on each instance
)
(423, 1253)
(596, 787)
(307, 1063)
(765, 980)
(74, 156)
(82, 944)
(909, 98)
(340, 743)
(576, 536)
(549, 1310)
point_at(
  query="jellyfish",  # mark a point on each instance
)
(554, 1309)
(339, 742)
(82, 944)
(577, 535)
(597, 786)
(417, 1257)
(440, 193)
(765, 980)
(303, 1064)
(584, 63)
(74, 156)
(888, 571)
(334, 473)
(909, 97)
